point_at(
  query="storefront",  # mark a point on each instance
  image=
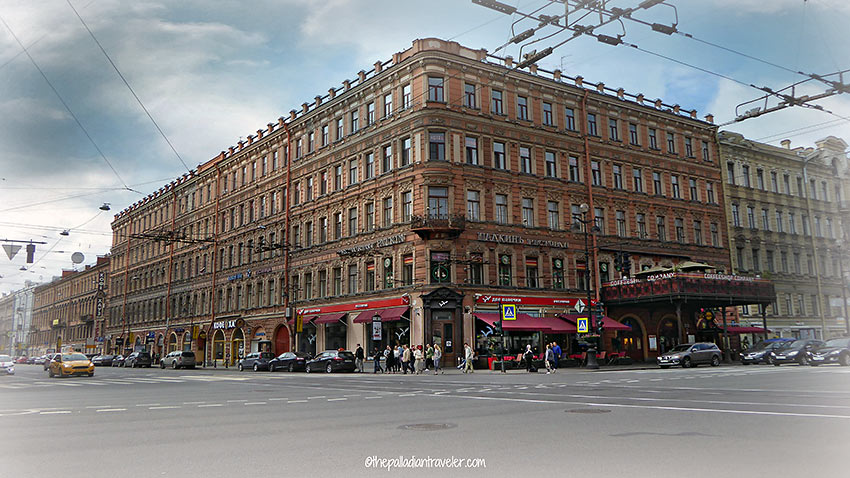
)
(336, 329)
(237, 346)
(218, 345)
(385, 326)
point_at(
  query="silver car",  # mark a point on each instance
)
(690, 355)
(7, 365)
(178, 359)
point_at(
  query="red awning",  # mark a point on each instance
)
(559, 326)
(306, 320)
(733, 329)
(329, 318)
(607, 322)
(387, 315)
(527, 323)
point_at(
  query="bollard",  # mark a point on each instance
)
(591, 359)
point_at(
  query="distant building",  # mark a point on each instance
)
(15, 320)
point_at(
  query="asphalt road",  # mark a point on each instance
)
(727, 421)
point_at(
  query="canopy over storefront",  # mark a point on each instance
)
(528, 323)
(607, 322)
(387, 315)
(329, 318)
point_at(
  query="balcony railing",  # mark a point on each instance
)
(702, 287)
(435, 224)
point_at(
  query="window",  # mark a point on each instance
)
(582, 278)
(407, 269)
(473, 205)
(792, 223)
(352, 279)
(547, 114)
(370, 113)
(522, 108)
(783, 261)
(797, 267)
(829, 228)
(502, 208)
(756, 260)
(599, 219)
(496, 106)
(505, 278)
(525, 159)
(531, 279)
(698, 232)
(299, 150)
(552, 214)
(595, 173)
(745, 174)
(751, 217)
(310, 188)
(308, 234)
(528, 212)
(805, 220)
(499, 155)
(388, 212)
(471, 150)
(730, 173)
(674, 182)
(369, 166)
(354, 118)
(812, 189)
(405, 152)
(369, 281)
(709, 191)
(706, 156)
(440, 267)
(438, 202)
(352, 221)
(613, 133)
(574, 171)
(469, 96)
(671, 142)
(323, 283)
(551, 165)
(640, 219)
(633, 134)
(591, 125)
(637, 176)
(769, 261)
(800, 191)
(352, 172)
(388, 104)
(680, 230)
(386, 159)
(653, 138)
(405, 97)
(692, 185)
(476, 268)
(618, 176)
(621, 223)
(786, 181)
(339, 130)
(558, 273)
(437, 146)
(337, 177)
(296, 197)
(779, 226)
(817, 227)
(774, 182)
(337, 225)
(824, 191)
(406, 206)
(370, 216)
(435, 88)
(760, 179)
(740, 256)
(765, 222)
(689, 147)
(657, 186)
(570, 115)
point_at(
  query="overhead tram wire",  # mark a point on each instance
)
(71, 112)
(127, 84)
(830, 123)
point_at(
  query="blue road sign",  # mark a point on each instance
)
(508, 311)
(582, 325)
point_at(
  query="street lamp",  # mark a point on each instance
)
(580, 224)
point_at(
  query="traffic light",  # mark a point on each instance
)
(497, 328)
(30, 253)
(618, 262)
(598, 314)
(626, 263)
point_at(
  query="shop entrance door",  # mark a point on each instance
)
(442, 333)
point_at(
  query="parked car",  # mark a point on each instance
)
(70, 364)
(103, 360)
(833, 351)
(291, 361)
(31, 360)
(256, 361)
(760, 352)
(118, 360)
(47, 359)
(794, 352)
(331, 361)
(178, 359)
(7, 365)
(138, 359)
(22, 360)
(690, 355)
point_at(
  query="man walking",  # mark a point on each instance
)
(406, 357)
(468, 355)
(358, 358)
(556, 349)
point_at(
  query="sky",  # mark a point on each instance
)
(210, 72)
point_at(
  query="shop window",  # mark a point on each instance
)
(388, 272)
(531, 273)
(505, 278)
(407, 269)
(370, 277)
(440, 267)
(581, 275)
(558, 273)
(476, 268)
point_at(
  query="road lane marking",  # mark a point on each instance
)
(111, 410)
(147, 404)
(297, 401)
(370, 398)
(99, 406)
(55, 412)
(210, 405)
(407, 395)
(166, 407)
(277, 399)
(318, 396)
(254, 403)
(336, 399)
(236, 401)
(193, 403)
(352, 395)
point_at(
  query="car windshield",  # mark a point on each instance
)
(680, 348)
(71, 357)
(266, 355)
(5, 358)
(346, 355)
(839, 342)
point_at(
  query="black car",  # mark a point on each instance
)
(102, 360)
(291, 361)
(794, 352)
(331, 361)
(138, 359)
(256, 361)
(833, 351)
(118, 360)
(760, 352)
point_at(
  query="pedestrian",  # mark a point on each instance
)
(556, 350)
(429, 357)
(389, 356)
(549, 359)
(406, 357)
(377, 357)
(358, 358)
(397, 352)
(419, 360)
(746, 343)
(468, 356)
(438, 354)
(529, 359)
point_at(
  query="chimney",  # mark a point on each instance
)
(659, 103)
(270, 127)
(331, 93)
(639, 98)
(293, 114)
(378, 66)
(693, 114)
(621, 93)
(241, 144)
(709, 118)
(579, 81)
(786, 143)
(509, 61)
(250, 138)
(259, 134)
(556, 75)
(361, 75)
(676, 109)
(305, 107)
(346, 84)
(318, 100)
(281, 121)
(396, 58)
(533, 68)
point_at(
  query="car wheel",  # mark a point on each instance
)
(768, 360)
(50, 373)
(291, 367)
(91, 374)
(271, 367)
(686, 362)
(814, 364)
(174, 365)
(775, 363)
(240, 367)
(161, 364)
(803, 360)
(307, 368)
(715, 360)
(256, 367)
(329, 368)
(844, 359)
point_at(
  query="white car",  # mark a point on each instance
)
(7, 365)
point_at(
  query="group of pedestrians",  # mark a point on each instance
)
(551, 357)
(403, 359)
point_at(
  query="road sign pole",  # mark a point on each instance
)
(502, 333)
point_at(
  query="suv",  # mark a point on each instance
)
(256, 361)
(138, 359)
(178, 359)
(690, 355)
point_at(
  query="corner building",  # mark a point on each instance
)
(404, 205)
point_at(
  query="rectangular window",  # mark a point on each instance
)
(337, 225)
(671, 142)
(637, 176)
(599, 219)
(591, 125)
(311, 142)
(499, 155)
(751, 217)
(352, 172)
(661, 226)
(355, 116)
(613, 132)
(657, 185)
(471, 150)
(310, 188)
(369, 166)
(522, 108)
(760, 179)
(745, 175)
(299, 150)
(792, 223)
(386, 159)
(531, 273)
(502, 208)
(528, 212)
(370, 216)
(574, 170)
(779, 226)
(689, 147)
(437, 146)
(765, 222)
(438, 202)
(824, 190)
(370, 113)
(730, 173)
(505, 278)
(812, 189)
(805, 220)
(640, 219)
(352, 279)
(388, 104)
(548, 119)
(405, 152)
(407, 269)
(800, 190)
(595, 173)
(674, 182)
(473, 205)
(496, 106)
(352, 221)
(388, 212)
(774, 182)
(406, 206)
(525, 159)
(653, 138)
(337, 177)
(620, 217)
(692, 186)
(435, 88)
(337, 281)
(705, 152)
(756, 260)
(769, 261)
(340, 132)
(582, 278)
(570, 116)
(405, 97)
(797, 266)
(575, 214)
(469, 99)
(308, 234)
(553, 215)
(698, 233)
(476, 268)
(786, 181)
(633, 134)
(783, 261)
(617, 172)
(709, 190)
(551, 165)
(680, 230)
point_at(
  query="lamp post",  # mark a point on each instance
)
(580, 224)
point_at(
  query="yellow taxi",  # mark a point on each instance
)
(66, 364)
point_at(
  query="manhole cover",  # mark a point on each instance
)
(427, 427)
(589, 410)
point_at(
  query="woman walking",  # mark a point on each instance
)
(529, 359)
(406, 359)
(438, 354)
(398, 358)
(418, 360)
(389, 356)
(429, 357)
(549, 358)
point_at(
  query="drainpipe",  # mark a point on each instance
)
(589, 182)
(126, 284)
(285, 239)
(170, 262)
(814, 245)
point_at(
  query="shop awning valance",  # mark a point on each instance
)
(528, 323)
(329, 318)
(387, 315)
(607, 322)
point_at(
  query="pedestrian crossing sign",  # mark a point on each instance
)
(508, 311)
(581, 323)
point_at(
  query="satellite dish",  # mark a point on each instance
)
(77, 257)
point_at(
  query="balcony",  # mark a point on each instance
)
(704, 289)
(57, 324)
(438, 226)
(87, 318)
